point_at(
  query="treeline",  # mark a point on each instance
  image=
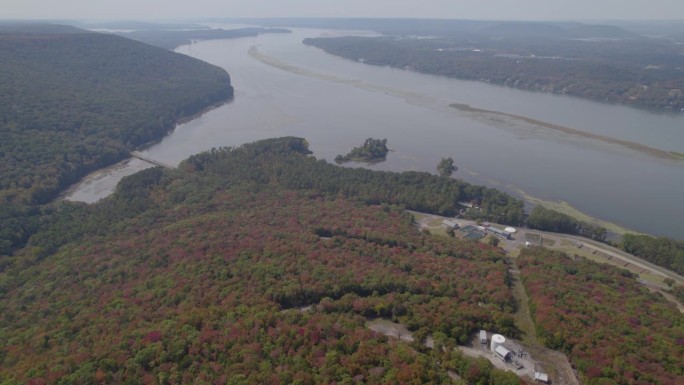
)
(170, 39)
(614, 330)
(197, 274)
(661, 251)
(645, 72)
(545, 219)
(285, 161)
(74, 102)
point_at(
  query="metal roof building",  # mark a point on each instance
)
(503, 353)
(499, 232)
(449, 224)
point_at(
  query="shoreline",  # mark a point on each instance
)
(178, 122)
(122, 163)
(565, 208)
(655, 152)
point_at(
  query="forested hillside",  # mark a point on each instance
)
(261, 264)
(636, 71)
(200, 274)
(72, 102)
(614, 330)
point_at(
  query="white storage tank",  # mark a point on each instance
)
(497, 340)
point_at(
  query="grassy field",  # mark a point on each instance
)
(523, 319)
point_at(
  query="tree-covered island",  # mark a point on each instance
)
(446, 167)
(372, 151)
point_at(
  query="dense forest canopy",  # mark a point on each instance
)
(200, 273)
(614, 330)
(261, 264)
(286, 161)
(73, 101)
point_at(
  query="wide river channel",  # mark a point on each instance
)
(283, 87)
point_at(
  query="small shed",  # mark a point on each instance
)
(541, 377)
(503, 353)
(483, 337)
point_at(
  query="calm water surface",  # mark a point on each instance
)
(292, 89)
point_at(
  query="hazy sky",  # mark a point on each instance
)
(457, 9)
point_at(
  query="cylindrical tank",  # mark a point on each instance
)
(497, 339)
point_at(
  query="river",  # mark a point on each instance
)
(283, 87)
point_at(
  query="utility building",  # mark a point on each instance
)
(499, 232)
(449, 224)
(503, 353)
(539, 375)
(497, 340)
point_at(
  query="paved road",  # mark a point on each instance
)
(613, 252)
(587, 244)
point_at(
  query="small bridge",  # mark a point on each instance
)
(149, 160)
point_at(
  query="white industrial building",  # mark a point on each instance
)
(483, 337)
(498, 348)
(497, 339)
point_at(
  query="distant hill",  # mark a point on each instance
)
(455, 28)
(171, 39)
(35, 28)
(73, 101)
(550, 30)
(133, 25)
(520, 29)
(595, 62)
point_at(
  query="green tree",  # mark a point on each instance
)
(446, 167)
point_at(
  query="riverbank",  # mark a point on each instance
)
(669, 155)
(566, 208)
(101, 183)
(280, 82)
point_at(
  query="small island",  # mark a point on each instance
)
(446, 167)
(372, 151)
